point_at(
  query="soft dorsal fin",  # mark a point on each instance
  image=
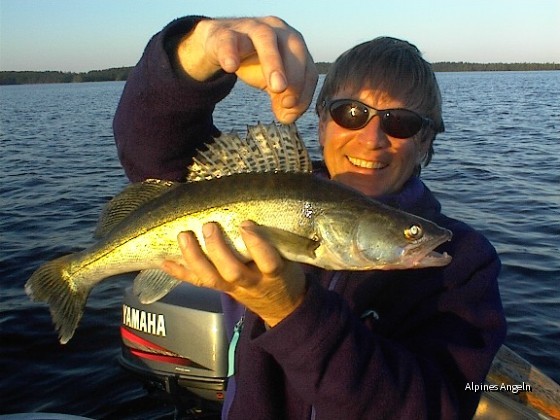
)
(266, 148)
(132, 197)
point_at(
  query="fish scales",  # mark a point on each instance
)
(286, 201)
(308, 219)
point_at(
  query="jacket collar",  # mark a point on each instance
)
(415, 197)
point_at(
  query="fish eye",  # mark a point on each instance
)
(414, 232)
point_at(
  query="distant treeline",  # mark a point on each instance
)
(447, 66)
(121, 73)
(34, 77)
(461, 66)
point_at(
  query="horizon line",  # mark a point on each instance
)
(318, 62)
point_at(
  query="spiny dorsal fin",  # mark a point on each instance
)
(266, 148)
(128, 200)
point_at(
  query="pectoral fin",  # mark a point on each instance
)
(290, 245)
(152, 285)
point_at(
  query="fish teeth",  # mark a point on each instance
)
(368, 164)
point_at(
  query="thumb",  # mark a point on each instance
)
(265, 256)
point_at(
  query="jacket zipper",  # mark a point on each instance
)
(233, 345)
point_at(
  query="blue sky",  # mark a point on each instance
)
(82, 35)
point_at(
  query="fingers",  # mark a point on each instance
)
(223, 259)
(292, 103)
(291, 62)
(266, 39)
(266, 257)
(197, 268)
(218, 268)
(179, 272)
(269, 286)
(249, 42)
(301, 74)
(268, 54)
(227, 51)
(221, 267)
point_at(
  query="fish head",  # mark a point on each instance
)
(380, 239)
(392, 239)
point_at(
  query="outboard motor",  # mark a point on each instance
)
(177, 344)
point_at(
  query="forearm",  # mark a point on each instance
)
(164, 115)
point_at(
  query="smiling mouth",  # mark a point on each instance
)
(366, 164)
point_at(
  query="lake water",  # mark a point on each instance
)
(497, 167)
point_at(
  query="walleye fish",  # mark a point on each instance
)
(266, 178)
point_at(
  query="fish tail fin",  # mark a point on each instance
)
(52, 283)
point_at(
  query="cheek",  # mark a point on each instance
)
(410, 156)
(419, 151)
(423, 149)
(330, 141)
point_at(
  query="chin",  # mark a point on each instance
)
(364, 183)
(369, 190)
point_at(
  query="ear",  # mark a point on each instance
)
(423, 149)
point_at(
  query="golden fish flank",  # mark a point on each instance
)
(265, 177)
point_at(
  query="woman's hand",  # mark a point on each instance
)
(265, 53)
(269, 285)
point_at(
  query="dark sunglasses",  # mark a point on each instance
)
(353, 115)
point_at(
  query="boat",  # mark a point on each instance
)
(515, 389)
(178, 347)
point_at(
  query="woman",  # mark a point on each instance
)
(311, 343)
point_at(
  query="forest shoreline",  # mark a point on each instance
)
(121, 73)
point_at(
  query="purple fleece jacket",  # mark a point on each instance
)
(363, 345)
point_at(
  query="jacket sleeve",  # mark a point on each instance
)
(419, 368)
(163, 115)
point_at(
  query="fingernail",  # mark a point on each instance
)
(230, 65)
(289, 101)
(277, 82)
(246, 226)
(288, 117)
(208, 229)
(183, 239)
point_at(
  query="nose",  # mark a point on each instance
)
(372, 136)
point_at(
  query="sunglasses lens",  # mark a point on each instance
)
(400, 123)
(349, 115)
(353, 115)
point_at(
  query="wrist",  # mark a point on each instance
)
(289, 307)
(190, 54)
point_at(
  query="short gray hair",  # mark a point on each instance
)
(395, 67)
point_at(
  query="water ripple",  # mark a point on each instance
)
(495, 168)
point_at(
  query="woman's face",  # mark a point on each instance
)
(368, 159)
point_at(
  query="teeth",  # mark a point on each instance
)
(365, 163)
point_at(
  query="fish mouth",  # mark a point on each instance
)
(412, 256)
(432, 259)
(366, 164)
(429, 257)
